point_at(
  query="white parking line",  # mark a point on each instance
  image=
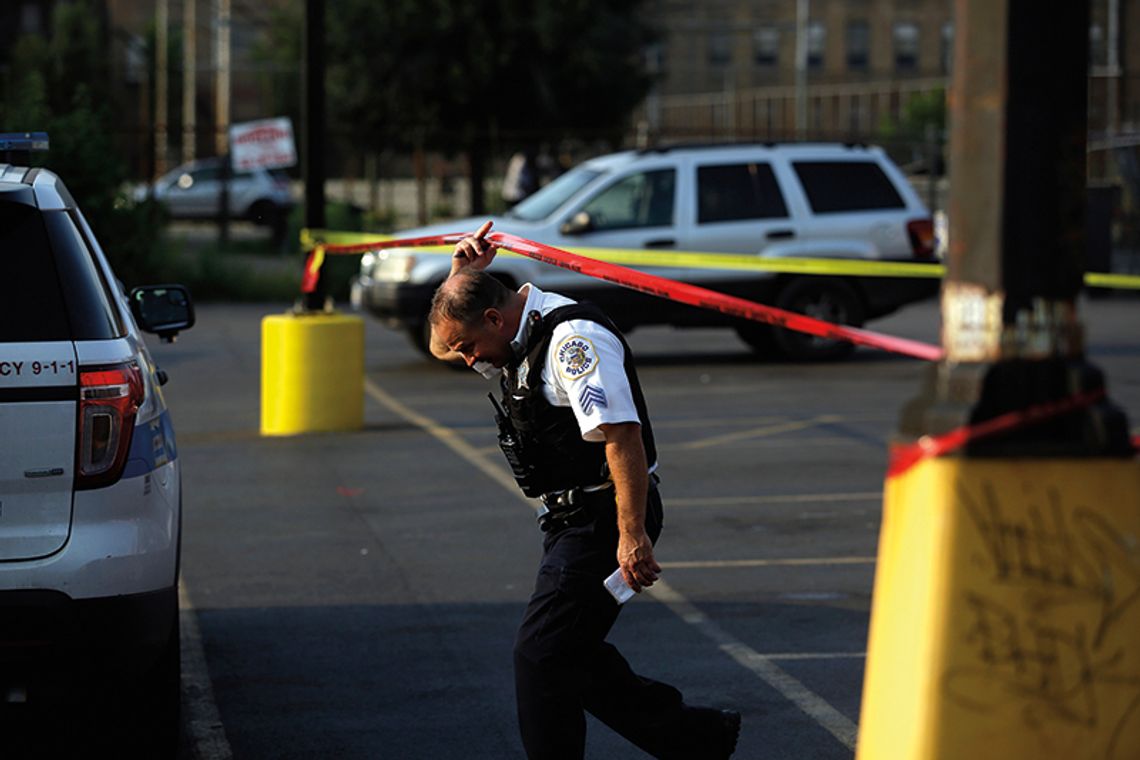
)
(789, 426)
(785, 562)
(816, 707)
(786, 498)
(207, 735)
(841, 727)
(815, 656)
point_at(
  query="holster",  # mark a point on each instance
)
(571, 508)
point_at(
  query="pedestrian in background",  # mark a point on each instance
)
(521, 178)
(576, 431)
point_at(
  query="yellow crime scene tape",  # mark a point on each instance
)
(730, 261)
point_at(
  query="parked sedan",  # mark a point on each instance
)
(194, 190)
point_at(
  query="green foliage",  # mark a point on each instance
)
(922, 110)
(278, 51)
(62, 88)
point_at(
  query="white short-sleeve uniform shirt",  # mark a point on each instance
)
(584, 369)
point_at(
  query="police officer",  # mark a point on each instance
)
(574, 426)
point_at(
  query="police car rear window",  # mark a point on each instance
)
(31, 301)
(89, 307)
(50, 289)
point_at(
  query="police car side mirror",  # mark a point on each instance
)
(164, 310)
(578, 224)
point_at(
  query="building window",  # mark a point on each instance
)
(906, 46)
(947, 53)
(858, 45)
(817, 39)
(720, 48)
(766, 46)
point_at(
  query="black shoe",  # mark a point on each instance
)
(713, 733)
(730, 726)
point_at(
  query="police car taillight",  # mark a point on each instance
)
(109, 398)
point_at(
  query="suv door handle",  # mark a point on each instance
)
(780, 234)
(662, 243)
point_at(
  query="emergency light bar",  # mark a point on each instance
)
(23, 141)
(17, 147)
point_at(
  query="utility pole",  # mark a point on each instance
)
(189, 79)
(161, 79)
(803, 12)
(313, 141)
(1112, 83)
(222, 116)
(1002, 626)
(222, 78)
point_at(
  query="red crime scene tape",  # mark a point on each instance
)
(681, 292)
(902, 457)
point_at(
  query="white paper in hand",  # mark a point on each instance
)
(618, 588)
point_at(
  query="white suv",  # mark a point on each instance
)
(802, 200)
(90, 489)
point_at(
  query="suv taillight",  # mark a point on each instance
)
(921, 234)
(109, 398)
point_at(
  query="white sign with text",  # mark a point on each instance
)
(264, 143)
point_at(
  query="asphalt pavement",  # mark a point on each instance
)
(355, 595)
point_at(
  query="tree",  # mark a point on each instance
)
(457, 77)
(60, 86)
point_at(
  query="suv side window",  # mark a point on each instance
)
(31, 304)
(639, 200)
(835, 187)
(89, 307)
(734, 192)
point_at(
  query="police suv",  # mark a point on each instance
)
(90, 489)
(799, 200)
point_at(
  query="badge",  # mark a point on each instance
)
(576, 357)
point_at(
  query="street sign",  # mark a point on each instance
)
(264, 143)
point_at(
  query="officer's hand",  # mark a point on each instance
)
(635, 557)
(473, 251)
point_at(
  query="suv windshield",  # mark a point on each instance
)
(543, 203)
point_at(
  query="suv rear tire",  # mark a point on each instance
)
(761, 338)
(825, 298)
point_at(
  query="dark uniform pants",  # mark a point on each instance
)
(563, 664)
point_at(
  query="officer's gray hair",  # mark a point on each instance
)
(466, 295)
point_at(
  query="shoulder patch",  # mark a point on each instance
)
(591, 397)
(576, 357)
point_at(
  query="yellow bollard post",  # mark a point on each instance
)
(312, 373)
(1007, 611)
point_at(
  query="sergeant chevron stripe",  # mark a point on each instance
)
(591, 396)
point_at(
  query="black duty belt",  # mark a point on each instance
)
(571, 508)
(576, 507)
